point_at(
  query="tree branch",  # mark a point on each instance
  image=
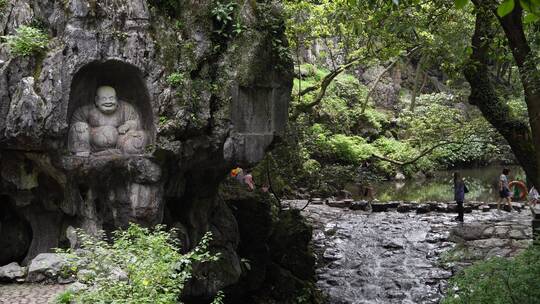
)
(322, 87)
(426, 152)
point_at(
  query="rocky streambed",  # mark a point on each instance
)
(407, 256)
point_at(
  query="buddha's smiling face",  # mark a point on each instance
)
(106, 100)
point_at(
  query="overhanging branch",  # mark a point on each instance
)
(427, 151)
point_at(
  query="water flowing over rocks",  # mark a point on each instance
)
(405, 257)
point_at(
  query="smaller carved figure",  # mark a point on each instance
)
(108, 126)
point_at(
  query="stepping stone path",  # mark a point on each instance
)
(405, 206)
(29, 293)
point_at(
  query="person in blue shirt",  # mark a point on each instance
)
(459, 195)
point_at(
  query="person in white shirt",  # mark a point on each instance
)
(534, 197)
(504, 190)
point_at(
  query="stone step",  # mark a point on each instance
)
(340, 204)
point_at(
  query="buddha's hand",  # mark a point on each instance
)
(81, 127)
(123, 129)
(83, 153)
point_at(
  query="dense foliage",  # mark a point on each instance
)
(499, 281)
(139, 266)
(339, 141)
(341, 130)
(27, 41)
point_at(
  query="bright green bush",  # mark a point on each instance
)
(27, 41)
(339, 147)
(155, 271)
(499, 281)
(175, 79)
(349, 88)
(352, 149)
(335, 114)
(311, 166)
(394, 148)
(373, 118)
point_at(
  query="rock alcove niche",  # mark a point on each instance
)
(230, 107)
(110, 185)
(129, 119)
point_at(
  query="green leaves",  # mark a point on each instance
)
(498, 280)
(532, 7)
(140, 266)
(175, 79)
(224, 17)
(27, 41)
(530, 18)
(460, 3)
(505, 8)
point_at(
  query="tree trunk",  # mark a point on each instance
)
(496, 111)
(417, 76)
(528, 72)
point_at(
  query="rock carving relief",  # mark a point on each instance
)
(109, 126)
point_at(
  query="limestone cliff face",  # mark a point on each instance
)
(211, 96)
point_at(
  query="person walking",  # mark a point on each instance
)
(504, 190)
(459, 194)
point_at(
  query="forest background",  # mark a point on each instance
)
(381, 92)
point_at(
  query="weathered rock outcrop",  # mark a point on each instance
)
(275, 246)
(208, 99)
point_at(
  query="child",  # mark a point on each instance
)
(504, 190)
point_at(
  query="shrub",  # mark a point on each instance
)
(27, 41)
(499, 281)
(307, 70)
(353, 149)
(139, 266)
(518, 109)
(175, 79)
(373, 118)
(348, 87)
(335, 114)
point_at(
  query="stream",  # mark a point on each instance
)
(480, 181)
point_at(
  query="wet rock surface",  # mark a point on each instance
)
(405, 257)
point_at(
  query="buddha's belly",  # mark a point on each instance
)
(103, 137)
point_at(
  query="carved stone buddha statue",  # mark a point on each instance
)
(107, 126)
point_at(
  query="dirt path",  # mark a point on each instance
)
(29, 293)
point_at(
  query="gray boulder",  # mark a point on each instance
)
(45, 266)
(12, 272)
(399, 176)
